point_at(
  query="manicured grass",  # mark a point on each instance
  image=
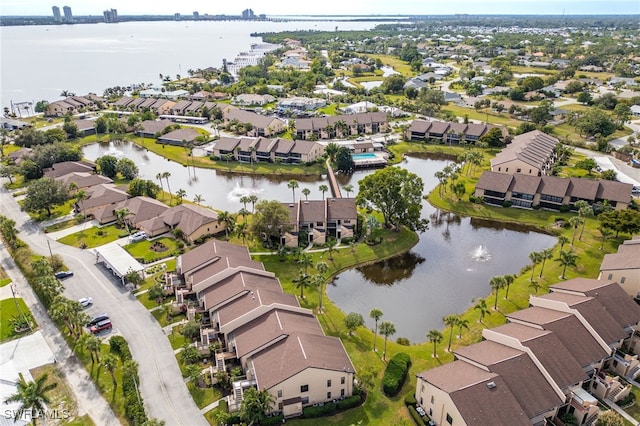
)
(4, 281)
(9, 310)
(203, 396)
(481, 115)
(634, 410)
(61, 396)
(94, 237)
(399, 65)
(176, 339)
(532, 70)
(142, 249)
(57, 211)
(331, 109)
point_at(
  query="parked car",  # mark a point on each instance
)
(101, 326)
(63, 274)
(138, 236)
(85, 301)
(98, 318)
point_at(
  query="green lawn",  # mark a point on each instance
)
(56, 211)
(399, 65)
(94, 237)
(634, 410)
(5, 281)
(9, 310)
(66, 224)
(203, 396)
(141, 250)
(331, 109)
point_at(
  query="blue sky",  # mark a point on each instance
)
(326, 7)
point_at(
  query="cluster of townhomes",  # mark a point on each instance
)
(316, 221)
(262, 149)
(624, 267)
(446, 132)
(341, 126)
(280, 346)
(553, 359)
(520, 176)
(74, 104)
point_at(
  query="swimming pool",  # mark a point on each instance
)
(363, 156)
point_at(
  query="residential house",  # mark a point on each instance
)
(279, 345)
(301, 103)
(85, 127)
(20, 155)
(249, 99)
(82, 180)
(261, 125)
(559, 348)
(13, 124)
(140, 209)
(72, 105)
(445, 132)
(193, 221)
(151, 128)
(180, 137)
(66, 167)
(550, 192)
(100, 197)
(531, 153)
(319, 220)
(341, 126)
(624, 266)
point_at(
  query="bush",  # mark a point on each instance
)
(410, 399)
(120, 347)
(403, 341)
(276, 420)
(319, 410)
(506, 204)
(564, 208)
(416, 416)
(352, 401)
(395, 374)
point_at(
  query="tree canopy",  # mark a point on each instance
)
(108, 165)
(397, 194)
(270, 220)
(344, 160)
(44, 194)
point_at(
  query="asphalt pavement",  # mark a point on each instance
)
(161, 384)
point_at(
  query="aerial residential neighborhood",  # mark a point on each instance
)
(420, 219)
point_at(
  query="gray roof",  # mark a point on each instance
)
(499, 182)
(534, 148)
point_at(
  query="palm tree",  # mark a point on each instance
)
(348, 189)
(253, 199)
(434, 337)
(167, 175)
(180, 194)
(226, 218)
(323, 189)
(584, 211)
(244, 200)
(544, 255)
(375, 314)
(496, 283)
(255, 403)
(293, 184)
(535, 257)
(604, 234)
(80, 196)
(566, 258)
(481, 306)
(575, 221)
(508, 280)
(32, 396)
(244, 213)
(450, 321)
(562, 240)
(386, 329)
(302, 282)
(535, 286)
(198, 199)
(92, 343)
(305, 260)
(320, 280)
(306, 192)
(121, 216)
(110, 362)
(462, 323)
(159, 176)
(331, 246)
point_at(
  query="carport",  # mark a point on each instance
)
(118, 261)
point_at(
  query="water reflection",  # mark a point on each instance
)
(391, 271)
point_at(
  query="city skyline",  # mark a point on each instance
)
(329, 7)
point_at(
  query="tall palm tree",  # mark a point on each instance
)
(545, 254)
(32, 396)
(323, 189)
(92, 343)
(575, 221)
(255, 403)
(566, 258)
(302, 282)
(462, 323)
(584, 212)
(253, 199)
(244, 213)
(450, 321)
(180, 194)
(508, 280)
(322, 268)
(496, 283)
(434, 337)
(225, 217)
(244, 200)
(121, 217)
(375, 314)
(348, 189)
(306, 192)
(604, 234)
(563, 240)
(306, 261)
(198, 199)
(386, 329)
(160, 176)
(110, 362)
(535, 286)
(166, 176)
(535, 257)
(482, 307)
(331, 246)
(293, 184)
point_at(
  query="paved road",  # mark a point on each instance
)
(90, 400)
(161, 383)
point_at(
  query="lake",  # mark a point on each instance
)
(443, 274)
(40, 61)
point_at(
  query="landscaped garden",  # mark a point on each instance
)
(146, 251)
(94, 237)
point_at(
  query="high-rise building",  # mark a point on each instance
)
(248, 14)
(68, 16)
(56, 14)
(110, 16)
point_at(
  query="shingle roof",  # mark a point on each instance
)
(627, 257)
(226, 143)
(341, 208)
(533, 148)
(212, 249)
(180, 135)
(152, 126)
(614, 191)
(583, 188)
(498, 182)
(525, 184)
(257, 120)
(189, 217)
(312, 211)
(66, 167)
(554, 186)
(83, 179)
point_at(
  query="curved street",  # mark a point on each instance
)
(161, 383)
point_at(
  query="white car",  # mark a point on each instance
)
(85, 301)
(138, 236)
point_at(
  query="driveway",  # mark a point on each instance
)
(161, 383)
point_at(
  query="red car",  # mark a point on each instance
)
(102, 325)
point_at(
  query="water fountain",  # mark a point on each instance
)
(481, 254)
(239, 192)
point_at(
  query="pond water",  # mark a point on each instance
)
(443, 274)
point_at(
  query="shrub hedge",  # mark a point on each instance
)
(416, 417)
(395, 374)
(120, 347)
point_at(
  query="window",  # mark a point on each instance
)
(506, 170)
(328, 395)
(318, 223)
(499, 169)
(329, 383)
(518, 170)
(341, 392)
(449, 419)
(280, 394)
(304, 388)
(432, 399)
(530, 171)
(622, 280)
(305, 400)
(342, 380)
(610, 276)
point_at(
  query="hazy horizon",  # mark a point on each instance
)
(328, 7)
